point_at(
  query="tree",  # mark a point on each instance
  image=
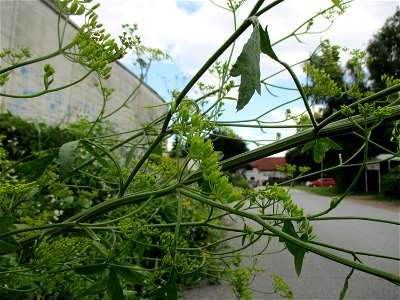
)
(330, 87)
(384, 52)
(226, 141)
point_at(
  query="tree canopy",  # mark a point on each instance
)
(384, 52)
(331, 85)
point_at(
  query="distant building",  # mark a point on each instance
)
(33, 24)
(264, 170)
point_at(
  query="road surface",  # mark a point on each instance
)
(321, 278)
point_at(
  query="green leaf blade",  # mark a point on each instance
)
(88, 147)
(308, 146)
(131, 276)
(289, 229)
(248, 67)
(114, 288)
(66, 155)
(265, 44)
(90, 269)
(319, 151)
(9, 244)
(331, 144)
(35, 168)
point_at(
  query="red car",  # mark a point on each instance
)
(323, 182)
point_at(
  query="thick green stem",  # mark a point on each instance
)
(330, 130)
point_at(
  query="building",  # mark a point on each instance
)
(33, 24)
(264, 170)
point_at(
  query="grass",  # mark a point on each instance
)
(331, 192)
(323, 191)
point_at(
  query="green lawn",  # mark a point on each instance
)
(323, 191)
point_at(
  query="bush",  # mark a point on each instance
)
(240, 181)
(391, 183)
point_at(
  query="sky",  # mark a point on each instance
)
(190, 32)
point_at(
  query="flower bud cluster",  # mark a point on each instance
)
(94, 49)
(203, 152)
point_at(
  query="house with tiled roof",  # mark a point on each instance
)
(264, 170)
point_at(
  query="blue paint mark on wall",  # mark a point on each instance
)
(26, 82)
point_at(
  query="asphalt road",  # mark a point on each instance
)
(321, 278)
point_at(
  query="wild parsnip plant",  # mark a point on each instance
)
(136, 224)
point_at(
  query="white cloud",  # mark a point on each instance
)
(192, 37)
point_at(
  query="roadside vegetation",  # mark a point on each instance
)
(333, 192)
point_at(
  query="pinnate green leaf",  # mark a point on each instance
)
(336, 3)
(320, 147)
(331, 144)
(319, 151)
(90, 269)
(5, 222)
(345, 285)
(80, 10)
(169, 291)
(8, 244)
(73, 8)
(265, 44)
(67, 157)
(89, 148)
(248, 67)
(114, 288)
(131, 276)
(35, 168)
(296, 251)
(93, 290)
(308, 146)
(289, 229)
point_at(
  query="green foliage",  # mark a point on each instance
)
(384, 51)
(227, 142)
(240, 181)
(87, 213)
(281, 286)
(248, 67)
(391, 183)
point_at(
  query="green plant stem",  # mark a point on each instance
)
(137, 167)
(119, 145)
(302, 93)
(214, 57)
(376, 96)
(36, 60)
(184, 92)
(353, 183)
(355, 218)
(285, 217)
(100, 209)
(332, 129)
(112, 158)
(353, 252)
(264, 126)
(47, 91)
(358, 266)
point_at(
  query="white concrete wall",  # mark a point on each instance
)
(34, 24)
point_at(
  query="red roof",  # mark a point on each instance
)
(269, 163)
